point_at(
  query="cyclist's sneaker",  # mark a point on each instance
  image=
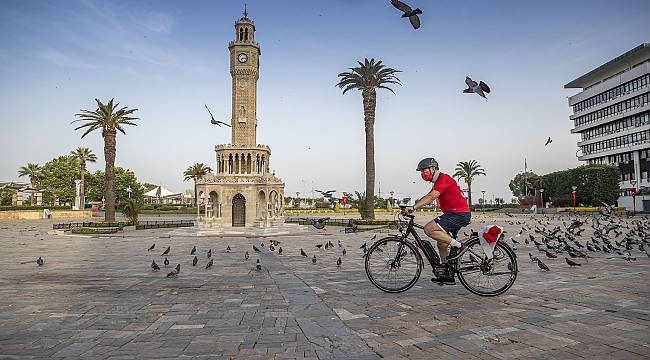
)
(455, 253)
(446, 278)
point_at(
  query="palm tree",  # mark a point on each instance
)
(467, 170)
(33, 171)
(196, 172)
(110, 119)
(368, 77)
(83, 154)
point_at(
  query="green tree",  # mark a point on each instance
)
(124, 179)
(110, 119)
(58, 177)
(368, 77)
(33, 171)
(521, 181)
(5, 197)
(595, 184)
(131, 208)
(467, 170)
(196, 172)
(83, 155)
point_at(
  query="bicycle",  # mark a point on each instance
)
(399, 258)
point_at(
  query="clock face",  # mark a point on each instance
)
(242, 58)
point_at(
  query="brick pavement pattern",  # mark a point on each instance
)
(96, 297)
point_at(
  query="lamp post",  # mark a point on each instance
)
(633, 192)
(298, 199)
(483, 202)
(391, 199)
(541, 197)
(573, 192)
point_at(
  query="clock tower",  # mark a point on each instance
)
(242, 192)
(244, 69)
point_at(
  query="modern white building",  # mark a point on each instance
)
(612, 116)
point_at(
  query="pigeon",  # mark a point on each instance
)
(175, 271)
(280, 250)
(213, 121)
(338, 262)
(344, 251)
(228, 249)
(166, 252)
(532, 258)
(542, 265)
(40, 261)
(313, 260)
(166, 262)
(373, 237)
(571, 263)
(246, 256)
(256, 249)
(258, 265)
(261, 244)
(154, 266)
(195, 261)
(193, 250)
(271, 247)
(303, 253)
(320, 245)
(151, 247)
(408, 12)
(480, 88)
(364, 246)
(209, 264)
(548, 141)
(209, 253)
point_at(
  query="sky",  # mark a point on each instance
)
(168, 58)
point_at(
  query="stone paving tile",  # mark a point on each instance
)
(97, 298)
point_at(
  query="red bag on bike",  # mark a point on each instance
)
(489, 237)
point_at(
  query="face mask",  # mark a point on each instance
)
(430, 177)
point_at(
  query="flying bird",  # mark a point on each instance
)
(408, 12)
(213, 121)
(548, 141)
(151, 247)
(480, 88)
(166, 252)
(40, 261)
(154, 266)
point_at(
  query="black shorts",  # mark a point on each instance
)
(451, 222)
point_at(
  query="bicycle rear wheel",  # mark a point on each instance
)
(487, 277)
(393, 265)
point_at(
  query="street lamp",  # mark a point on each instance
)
(541, 196)
(391, 199)
(633, 191)
(573, 192)
(483, 202)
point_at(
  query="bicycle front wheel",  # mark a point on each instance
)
(487, 277)
(393, 265)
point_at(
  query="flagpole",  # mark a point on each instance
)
(526, 177)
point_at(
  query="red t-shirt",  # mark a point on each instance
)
(451, 197)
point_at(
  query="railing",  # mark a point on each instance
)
(164, 224)
(330, 222)
(90, 224)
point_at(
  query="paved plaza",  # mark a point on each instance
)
(96, 297)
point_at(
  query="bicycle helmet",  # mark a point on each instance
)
(427, 163)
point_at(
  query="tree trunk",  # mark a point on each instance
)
(109, 155)
(369, 105)
(196, 202)
(82, 188)
(469, 193)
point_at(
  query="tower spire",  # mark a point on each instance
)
(245, 12)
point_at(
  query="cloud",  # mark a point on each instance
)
(64, 60)
(158, 22)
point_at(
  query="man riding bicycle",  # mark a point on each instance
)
(456, 213)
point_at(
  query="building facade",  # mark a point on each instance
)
(612, 116)
(242, 191)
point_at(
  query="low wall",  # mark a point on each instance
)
(38, 214)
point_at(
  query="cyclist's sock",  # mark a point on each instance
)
(456, 243)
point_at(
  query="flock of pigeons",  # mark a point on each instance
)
(613, 236)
